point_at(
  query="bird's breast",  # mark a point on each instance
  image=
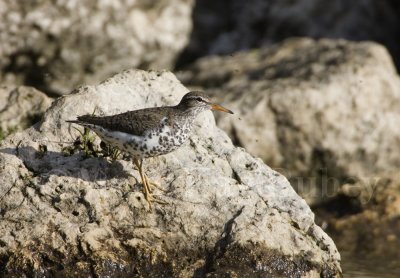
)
(161, 140)
(165, 139)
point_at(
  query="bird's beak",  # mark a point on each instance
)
(215, 106)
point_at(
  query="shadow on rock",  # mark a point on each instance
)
(46, 163)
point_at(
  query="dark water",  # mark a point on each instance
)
(355, 265)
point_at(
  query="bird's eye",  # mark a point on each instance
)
(199, 99)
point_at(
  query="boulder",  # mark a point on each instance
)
(224, 27)
(57, 45)
(323, 112)
(72, 213)
(20, 107)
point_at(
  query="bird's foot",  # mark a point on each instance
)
(150, 184)
(153, 184)
(151, 199)
(148, 193)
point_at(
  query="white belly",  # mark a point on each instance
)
(153, 143)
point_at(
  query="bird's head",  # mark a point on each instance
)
(199, 101)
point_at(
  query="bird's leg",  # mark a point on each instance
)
(146, 183)
(146, 187)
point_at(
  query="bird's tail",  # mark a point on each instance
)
(73, 121)
(81, 120)
(81, 123)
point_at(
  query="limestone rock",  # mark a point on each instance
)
(227, 212)
(57, 45)
(323, 112)
(21, 107)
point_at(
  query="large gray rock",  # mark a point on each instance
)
(227, 212)
(324, 112)
(56, 45)
(21, 107)
(223, 27)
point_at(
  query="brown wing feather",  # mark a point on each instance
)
(133, 122)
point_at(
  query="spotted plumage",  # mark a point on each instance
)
(150, 132)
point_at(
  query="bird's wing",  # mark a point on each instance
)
(133, 122)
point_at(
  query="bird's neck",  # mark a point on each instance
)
(189, 114)
(189, 111)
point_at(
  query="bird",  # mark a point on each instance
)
(150, 132)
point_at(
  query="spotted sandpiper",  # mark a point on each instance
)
(152, 131)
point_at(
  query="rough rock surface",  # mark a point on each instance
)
(325, 112)
(227, 212)
(223, 27)
(21, 107)
(56, 45)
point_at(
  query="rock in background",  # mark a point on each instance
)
(365, 224)
(20, 108)
(224, 27)
(324, 113)
(227, 212)
(56, 45)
